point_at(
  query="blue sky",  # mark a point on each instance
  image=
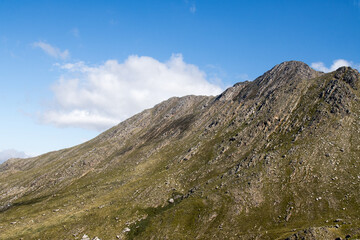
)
(71, 69)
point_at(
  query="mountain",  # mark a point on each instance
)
(274, 158)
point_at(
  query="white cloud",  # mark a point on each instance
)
(51, 50)
(102, 96)
(11, 153)
(320, 66)
(193, 8)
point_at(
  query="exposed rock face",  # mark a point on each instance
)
(274, 158)
(286, 75)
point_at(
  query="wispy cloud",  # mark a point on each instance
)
(101, 96)
(192, 8)
(51, 50)
(242, 77)
(113, 22)
(75, 32)
(320, 66)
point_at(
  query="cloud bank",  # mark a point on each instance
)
(320, 66)
(51, 50)
(102, 96)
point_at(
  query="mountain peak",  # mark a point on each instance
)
(286, 71)
(349, 75)
(293, 63)
(344, 69)
(294, 67)
(287, 74)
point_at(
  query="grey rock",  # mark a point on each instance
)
(85, 237)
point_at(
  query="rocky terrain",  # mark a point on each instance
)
(274, 158)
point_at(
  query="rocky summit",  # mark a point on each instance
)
(274, 158)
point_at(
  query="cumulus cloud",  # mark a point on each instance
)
(320, 66)
(98, 97)
(11, 153)
(51, 50)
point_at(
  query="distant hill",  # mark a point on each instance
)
(274, 158)
(11, 153)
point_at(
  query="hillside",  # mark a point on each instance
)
(274, 158)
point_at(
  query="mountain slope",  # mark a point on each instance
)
(273, 158)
